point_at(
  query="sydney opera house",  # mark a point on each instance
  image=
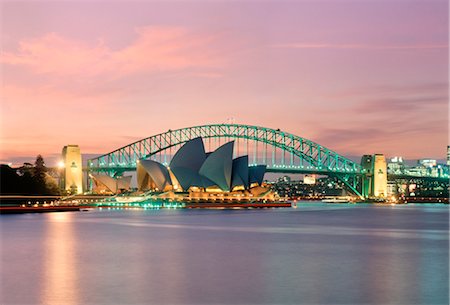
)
(194, 173)
(104, 184)
(198, 172)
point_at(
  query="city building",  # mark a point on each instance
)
(299, 189)
(427, 162)
(428, 168)
(396, 165)
(72, 167)
(448, 155)
(284, 179)
(309, 179)
(392, 189)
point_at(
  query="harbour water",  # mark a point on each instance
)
(315, 254)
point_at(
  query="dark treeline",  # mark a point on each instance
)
(29, 179)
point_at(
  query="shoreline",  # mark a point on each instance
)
(20, 204)
(51, 209)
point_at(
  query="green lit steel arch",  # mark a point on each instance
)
(314, 158)
(318, 157)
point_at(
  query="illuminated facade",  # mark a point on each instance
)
(380, 176)
(192, 168)
(152, 175)
(104, 184)
(375, 180)
(396, 165)
(73, 169)
(309, 179)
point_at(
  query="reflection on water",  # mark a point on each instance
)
(60, 280)
(316, 254)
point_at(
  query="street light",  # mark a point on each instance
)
(61, 164)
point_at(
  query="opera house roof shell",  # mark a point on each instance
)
(191, 166)
(105, 183)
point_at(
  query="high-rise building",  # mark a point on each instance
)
(73, 169)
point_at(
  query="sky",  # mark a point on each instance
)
(358, 77)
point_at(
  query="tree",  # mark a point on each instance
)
(27, 183)
(39, 175)
(10, 182)
(28, 179)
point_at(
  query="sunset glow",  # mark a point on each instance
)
(359, 77)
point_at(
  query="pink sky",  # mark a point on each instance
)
(355, 76)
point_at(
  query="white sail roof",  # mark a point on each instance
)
(152, 174)
(123, 183)
(256, 174)
(239, 174)
(191, 155)
(106, 181)
(186, 163)
(218, 166)
(192, 166)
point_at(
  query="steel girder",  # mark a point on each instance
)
(313, 156)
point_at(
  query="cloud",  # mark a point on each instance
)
(388, 119)
(352, 140)
(399, 104)
(387, 137)
(359, 46)
(343, 135)
(155, 49)
(394, 99)
(406, 89)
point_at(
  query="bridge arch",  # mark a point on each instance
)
(313, 156)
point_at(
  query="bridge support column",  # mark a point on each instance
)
(375, 177)
(352, 183)
(73, 169)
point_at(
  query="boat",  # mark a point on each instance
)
(335, 200)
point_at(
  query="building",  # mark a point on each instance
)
(375, 179)
(427, 162)
(396, 165)
(192, 169)
(309, 179)
(284, 179)
(448, 155)
(73, 169)
(104, 184)
(429, 168)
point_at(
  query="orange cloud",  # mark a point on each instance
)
(154, 49)
(55, 55)
(42, 120)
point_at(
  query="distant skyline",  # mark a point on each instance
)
(358, 77)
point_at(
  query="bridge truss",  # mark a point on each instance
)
(281, 151)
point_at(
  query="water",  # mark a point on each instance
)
(316, 254)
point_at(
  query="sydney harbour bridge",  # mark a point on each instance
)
(280, 151)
